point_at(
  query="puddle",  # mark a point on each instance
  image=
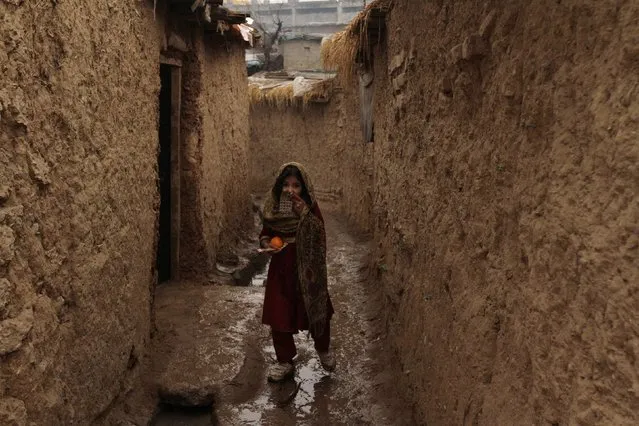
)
(299, 399)
(259, 279)
(250, 271)
(244, 266)
(169, 415)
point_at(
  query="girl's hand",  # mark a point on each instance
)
(270, 250)
(274, 251)
(266, 247)
(298, 204)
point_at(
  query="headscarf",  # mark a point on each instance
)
(310, 238)
(285, 223)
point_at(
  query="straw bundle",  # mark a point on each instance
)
(320, 92)
(345, 49)
(255, 94)
(278, 96)
(340, 53)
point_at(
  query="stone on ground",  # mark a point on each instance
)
(200, 340)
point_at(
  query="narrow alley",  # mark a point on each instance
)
(476, 165)
(361, 390)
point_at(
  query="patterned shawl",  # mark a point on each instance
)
(310, 238)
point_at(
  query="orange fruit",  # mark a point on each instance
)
(277, 242)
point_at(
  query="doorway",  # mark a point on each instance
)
(169, 173)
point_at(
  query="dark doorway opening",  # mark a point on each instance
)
(164, 172)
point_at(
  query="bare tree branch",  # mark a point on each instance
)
(260, 13)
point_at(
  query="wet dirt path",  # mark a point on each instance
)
(360, 391)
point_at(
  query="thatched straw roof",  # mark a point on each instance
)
(353, 46)
(280, 90)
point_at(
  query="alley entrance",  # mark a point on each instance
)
(169, 172)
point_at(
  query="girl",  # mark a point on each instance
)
(296, 296)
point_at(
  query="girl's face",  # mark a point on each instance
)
(292, 185)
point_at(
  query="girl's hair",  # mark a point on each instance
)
(279, 184)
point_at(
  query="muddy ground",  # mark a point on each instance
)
(360, 391)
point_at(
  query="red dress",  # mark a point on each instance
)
(283, 305)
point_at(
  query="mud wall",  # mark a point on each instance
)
(215, 135)
(301, 54)
(76, 247)
(326, 139)
(78, 201)
(507, 208)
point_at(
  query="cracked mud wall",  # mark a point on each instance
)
(78, 199)
(78, 155)
(215, 135)
(226, 208)
(507, 208)
(327, 140)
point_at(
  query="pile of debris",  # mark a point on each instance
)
(213, 17)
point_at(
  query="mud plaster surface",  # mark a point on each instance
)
(507, 209)
(215, 135)
(76, 250)
(79, 85)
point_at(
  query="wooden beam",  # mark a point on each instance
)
(183, 11)
(170, 61)
(176, 170)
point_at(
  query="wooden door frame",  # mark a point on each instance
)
(176, 169)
